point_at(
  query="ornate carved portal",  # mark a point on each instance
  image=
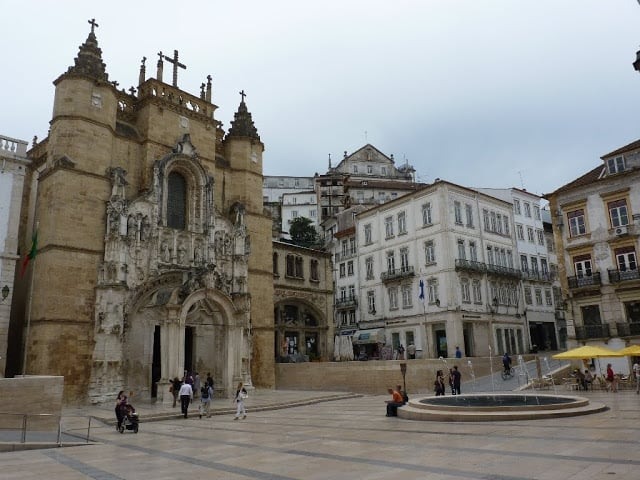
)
(300, 331)
(171, 292)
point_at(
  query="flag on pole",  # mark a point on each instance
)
(32, 252)
(421, 294)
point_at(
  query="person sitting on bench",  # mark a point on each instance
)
(394, 403)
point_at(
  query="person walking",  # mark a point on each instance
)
(209, 380)
(506, 363)
(439, 383)
(636, 372)
(186, 395)
(611, 379)
(241, 395)
(174, 389)
(450, 381)
(121, 401)
(206, 394)
(400, 352)
(457, 377)
(458, 352)
(196, 385)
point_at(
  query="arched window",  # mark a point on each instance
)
(176, 201)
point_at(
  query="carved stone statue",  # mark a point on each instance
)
(165, 254)
(182, 254)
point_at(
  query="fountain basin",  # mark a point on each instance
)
(482, 407)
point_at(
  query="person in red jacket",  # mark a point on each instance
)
(394, 403)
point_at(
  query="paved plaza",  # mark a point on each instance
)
(346, 438)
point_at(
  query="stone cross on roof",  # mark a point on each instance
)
(93, 24)
(176, 64)
(242, 94)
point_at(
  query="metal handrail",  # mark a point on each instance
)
(59, 430)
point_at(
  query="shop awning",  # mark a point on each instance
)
(374, 335)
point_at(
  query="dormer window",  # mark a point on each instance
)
(615, 165)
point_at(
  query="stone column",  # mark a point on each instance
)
(172, 352)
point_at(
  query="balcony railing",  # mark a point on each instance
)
(470, 265)
(503, 271)
(349, 302)
(536, 276)
(581, 281)
(617, 276)
(397, 273)
(344, 256)
(628, 329)
(592, 331)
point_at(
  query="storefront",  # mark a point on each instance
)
(368, 343)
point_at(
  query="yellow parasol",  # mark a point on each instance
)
(631, 351)
(588, 351)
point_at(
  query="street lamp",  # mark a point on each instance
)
(403, 370)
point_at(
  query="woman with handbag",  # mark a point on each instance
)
(241, 394)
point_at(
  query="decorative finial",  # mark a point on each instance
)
(207, 97)
(144, 59)
(242, 94)
(132, 91)
(202, 85)
(93, 24)
(35, 140)
(115, 84)
(160, 66)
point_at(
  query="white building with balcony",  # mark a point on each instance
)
(596, 220)
(533, 260)
(437, 268)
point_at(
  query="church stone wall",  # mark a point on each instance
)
(82, 98)
(76, 271)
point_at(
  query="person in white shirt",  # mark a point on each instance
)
(186, 395)
(241, 394)
(636, 372)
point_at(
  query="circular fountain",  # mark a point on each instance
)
(481, 407)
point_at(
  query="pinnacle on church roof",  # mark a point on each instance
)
(89, 60)
(242, 124)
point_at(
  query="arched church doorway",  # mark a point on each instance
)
(189, 332)
(156, 366)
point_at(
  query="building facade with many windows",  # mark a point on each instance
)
(437, 268)
(303, 303)
(532, 258)
(596, 220)
(365, 177)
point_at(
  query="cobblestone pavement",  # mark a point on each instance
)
(349, 438)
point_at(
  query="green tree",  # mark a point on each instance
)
(302, 232)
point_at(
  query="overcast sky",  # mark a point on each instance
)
(487, 93)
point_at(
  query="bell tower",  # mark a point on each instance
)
(243, 149)
(69, 210)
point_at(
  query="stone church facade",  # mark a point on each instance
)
(154, 247)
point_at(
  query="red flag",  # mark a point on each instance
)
(32, 252)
